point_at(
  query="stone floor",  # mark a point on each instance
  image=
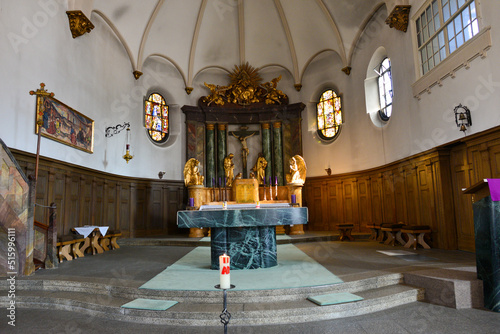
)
(139, 260)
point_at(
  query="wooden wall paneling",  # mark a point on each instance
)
(350, 203)
(400, 200)
(444, 207)
(174, 194)
(388, 199)
(364, 204)
(86, 201)
(494, 158)
(140, 207)
(71, 207)
(411, 185)
(110, 202)
(42, 187)
(98, 201)
(376, 195)
(479, 157)
(334, 204)
(426, 201)
(56, 194)
(315, 196)
(124, 209)
(461, 178)
(133, 210)
(156, 213)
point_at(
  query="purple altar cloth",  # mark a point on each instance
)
(494, 185)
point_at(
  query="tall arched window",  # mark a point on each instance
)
(329, 115)
(156, 118)
(385, 91)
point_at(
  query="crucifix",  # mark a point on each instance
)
(242, 136)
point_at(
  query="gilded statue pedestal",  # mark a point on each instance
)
(198, 193)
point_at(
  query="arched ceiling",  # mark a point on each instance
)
(195, 35)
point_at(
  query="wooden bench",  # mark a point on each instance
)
(345, 231)
(78, 251)
(393, 233)
(416, 234)
(376, 233)
(64, 247)
(109, 240)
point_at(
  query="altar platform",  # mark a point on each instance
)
(88, 293)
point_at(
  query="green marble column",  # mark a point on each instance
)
(278, 152)
(266, 148)
(221, 151)
(210, 155)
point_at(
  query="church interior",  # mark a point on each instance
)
(344, 154)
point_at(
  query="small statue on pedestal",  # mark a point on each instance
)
(229, 169)
(260, 168)
(192, 175)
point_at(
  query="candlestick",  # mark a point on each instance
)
(191, 202)
(224, 267)
(276, 185)
(294, 199)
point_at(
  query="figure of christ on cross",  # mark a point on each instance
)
(242, 136)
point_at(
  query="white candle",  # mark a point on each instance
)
(225, 281)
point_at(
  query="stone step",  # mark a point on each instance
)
(452, 287)
(192, 313)
(128, 289)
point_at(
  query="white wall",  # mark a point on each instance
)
(86, 73)
(415, 125)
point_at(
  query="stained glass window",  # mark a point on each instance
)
(329, 115)
(156, 118)
(385, 91)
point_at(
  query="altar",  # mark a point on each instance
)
(245, 232)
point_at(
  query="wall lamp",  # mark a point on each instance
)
(113, 130)
(462, 117)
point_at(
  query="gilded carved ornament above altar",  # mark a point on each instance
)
(79, 24)
(399, 17)
(245, 89)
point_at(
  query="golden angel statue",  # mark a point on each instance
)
(298, 169)
(192, 174)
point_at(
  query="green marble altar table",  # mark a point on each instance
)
(246, 233)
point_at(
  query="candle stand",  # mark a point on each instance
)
(225, 316)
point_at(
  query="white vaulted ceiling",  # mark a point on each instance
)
(195, 35)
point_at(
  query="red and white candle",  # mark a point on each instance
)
(225, 280)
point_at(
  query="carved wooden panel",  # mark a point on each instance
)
(388, 207)
(376, 191)
(463, 203)
(364, 206)
(494, 157)
(412, 196)
(400, 201)
(334, 205)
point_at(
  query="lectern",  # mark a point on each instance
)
(486, 208)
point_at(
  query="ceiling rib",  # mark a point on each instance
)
(241, 28)
(291, 46)
(194, 42)
(362, 29)
(120, 37)
(330, 20)
(146, 33)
